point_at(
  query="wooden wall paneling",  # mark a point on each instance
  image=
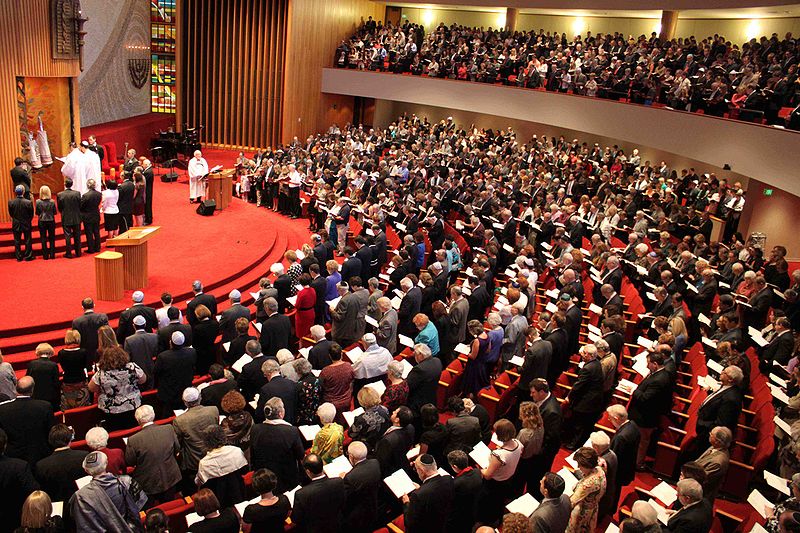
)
(236, 59)
(315, 29)
(27, 57)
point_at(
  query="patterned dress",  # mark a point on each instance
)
(585, 500)
(328, 442)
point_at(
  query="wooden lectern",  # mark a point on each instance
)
(133, 246)
(220, 187)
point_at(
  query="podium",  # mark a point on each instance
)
(220, 187)
(109, 275)
(133, 246)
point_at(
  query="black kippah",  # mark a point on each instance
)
(427, 459)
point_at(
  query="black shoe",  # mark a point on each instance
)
(68, 256)
(19, 260)
(30, 258)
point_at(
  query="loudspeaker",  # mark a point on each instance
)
(207, 208)
(169, 177)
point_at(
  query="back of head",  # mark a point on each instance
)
(313, 464)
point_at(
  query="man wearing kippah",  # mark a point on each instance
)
(107, 502)
(173, 371)
(21, 211)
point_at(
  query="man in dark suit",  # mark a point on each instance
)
(174, 324)
(152, 453)
(125, 203)
(282, 284)
(423, 380)
(142, 347)
(695, 515)
(126, 326)
(363, 254)
(391, 449)
(780, 347)
(276, 330)
(20, 176)
(44, 372)
(624, 443)
(16, 484)
(318, 506)
(560, 343)
(756, 314)
(90, 216)
(573, 316)
(586, 396)
(320, 285)
(218, 387)
(435, 235)
(702, 300)
(57, 472)
(97, 148)
(463, 430)
(536, 363)
(227, 323)
(319, 354)
(21, 211)
(720, 408)
(409, 307)
(320, 251)
(550, 410)
(173, 371)
(252, 378)
(651, 399)
(427, 508)
(609, 297)
(87, 325)
(466, 489)
(27, 423)
(379, 241)
(69, 205)
(552, 515)
(147, 172)
(479, 300)
(199, 298)
(351, 266)
(361, 485)
(276, 386)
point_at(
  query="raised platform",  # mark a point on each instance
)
(136, 131)
(232, 249)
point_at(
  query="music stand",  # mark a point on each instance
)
(171, 175)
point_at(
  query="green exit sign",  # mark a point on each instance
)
(767, 192)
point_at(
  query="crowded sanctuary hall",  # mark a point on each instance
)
(359, 266)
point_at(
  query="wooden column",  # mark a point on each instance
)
(669, 23)
(511, 18)
(108, 271)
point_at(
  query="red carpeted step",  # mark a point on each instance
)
(19, 350)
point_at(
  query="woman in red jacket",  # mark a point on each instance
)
(306, 298)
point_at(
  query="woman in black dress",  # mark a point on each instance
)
(268, 515)
(46, 211)
(74, 362)
(138, 199)
(204, 333)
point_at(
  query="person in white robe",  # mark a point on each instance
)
(198, 167)
(77, 167)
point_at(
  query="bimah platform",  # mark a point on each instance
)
(133, 246)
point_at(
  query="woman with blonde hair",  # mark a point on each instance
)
(678, 329)
(531, 436)
(37, 515)
(46, 211)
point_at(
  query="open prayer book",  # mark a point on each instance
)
(399, 483)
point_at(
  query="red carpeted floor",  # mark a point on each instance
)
(230, 245)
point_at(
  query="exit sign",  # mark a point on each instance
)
(767, 192)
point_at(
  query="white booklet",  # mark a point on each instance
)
(309, 432)
(480, 454)
(399, 483)
(350, 416)
(340, 465)
(525, 504)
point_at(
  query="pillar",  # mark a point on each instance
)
(669, 23)
(511, 18)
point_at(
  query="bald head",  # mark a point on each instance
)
(25, 386)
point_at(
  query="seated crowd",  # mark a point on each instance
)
(465, 309)
(754, 80)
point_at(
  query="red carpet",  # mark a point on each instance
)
(232, 249)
